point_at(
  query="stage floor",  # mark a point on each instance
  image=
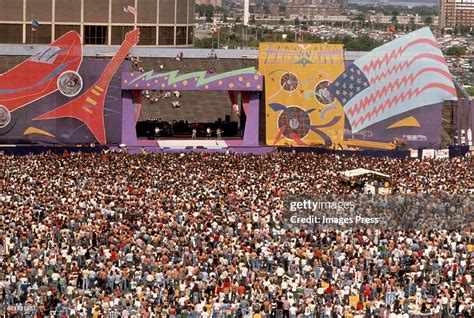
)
(198, 145)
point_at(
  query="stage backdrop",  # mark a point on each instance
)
(56, 97)
(23, 128)
(394, 93)
(299, 108)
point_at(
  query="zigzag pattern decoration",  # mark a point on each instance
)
(388, 57)
(405, 65)
(357, 108)
(309, 54)
(401, 98)
(246, 79)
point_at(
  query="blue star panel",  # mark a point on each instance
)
(349, 84)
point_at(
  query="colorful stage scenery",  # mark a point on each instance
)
(244, 84)
(396, 91)
(55, 97)
(299, 108)
(312, 97)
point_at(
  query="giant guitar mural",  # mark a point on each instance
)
(39, 75)
(89, 107)
(58, 97)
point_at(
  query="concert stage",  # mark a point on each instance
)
(303, 98)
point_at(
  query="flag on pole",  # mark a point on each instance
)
(129, 9)
(34, 25)
(302, 29)
(391, 29)
(215, 28)
(397, 77)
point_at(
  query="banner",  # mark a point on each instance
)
(428, 153)
(442, 153)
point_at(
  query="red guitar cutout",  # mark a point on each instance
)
(89, 107)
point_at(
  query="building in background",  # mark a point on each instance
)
(215, 3)
(402, 18)
(312, 8)
(456, 13)
(100, 22)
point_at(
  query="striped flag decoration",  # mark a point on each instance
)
(34, 25)
(405, 74)
(215, 28)
(128, 9)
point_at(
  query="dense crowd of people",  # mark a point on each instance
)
(205, 235)
(136, 63)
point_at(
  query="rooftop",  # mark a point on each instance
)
(90, 51)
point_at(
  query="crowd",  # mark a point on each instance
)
(212, 54)
(136, 63)
(204, 235)
(154, 96)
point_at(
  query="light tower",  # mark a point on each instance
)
(246, 12)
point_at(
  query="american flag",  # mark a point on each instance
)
(34, 25)
(405, 74)
(129, 9)
(215, 28)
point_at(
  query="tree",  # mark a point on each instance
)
(359, 18)
(395, 17)
(428, 21)
(470, 90)
(203, 43)
(205, 10)
(412, 22)
(394, 20)
(464, 30)
(219, 9)
(456, 51)
(361, 43)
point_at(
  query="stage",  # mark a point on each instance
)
(210, 146)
